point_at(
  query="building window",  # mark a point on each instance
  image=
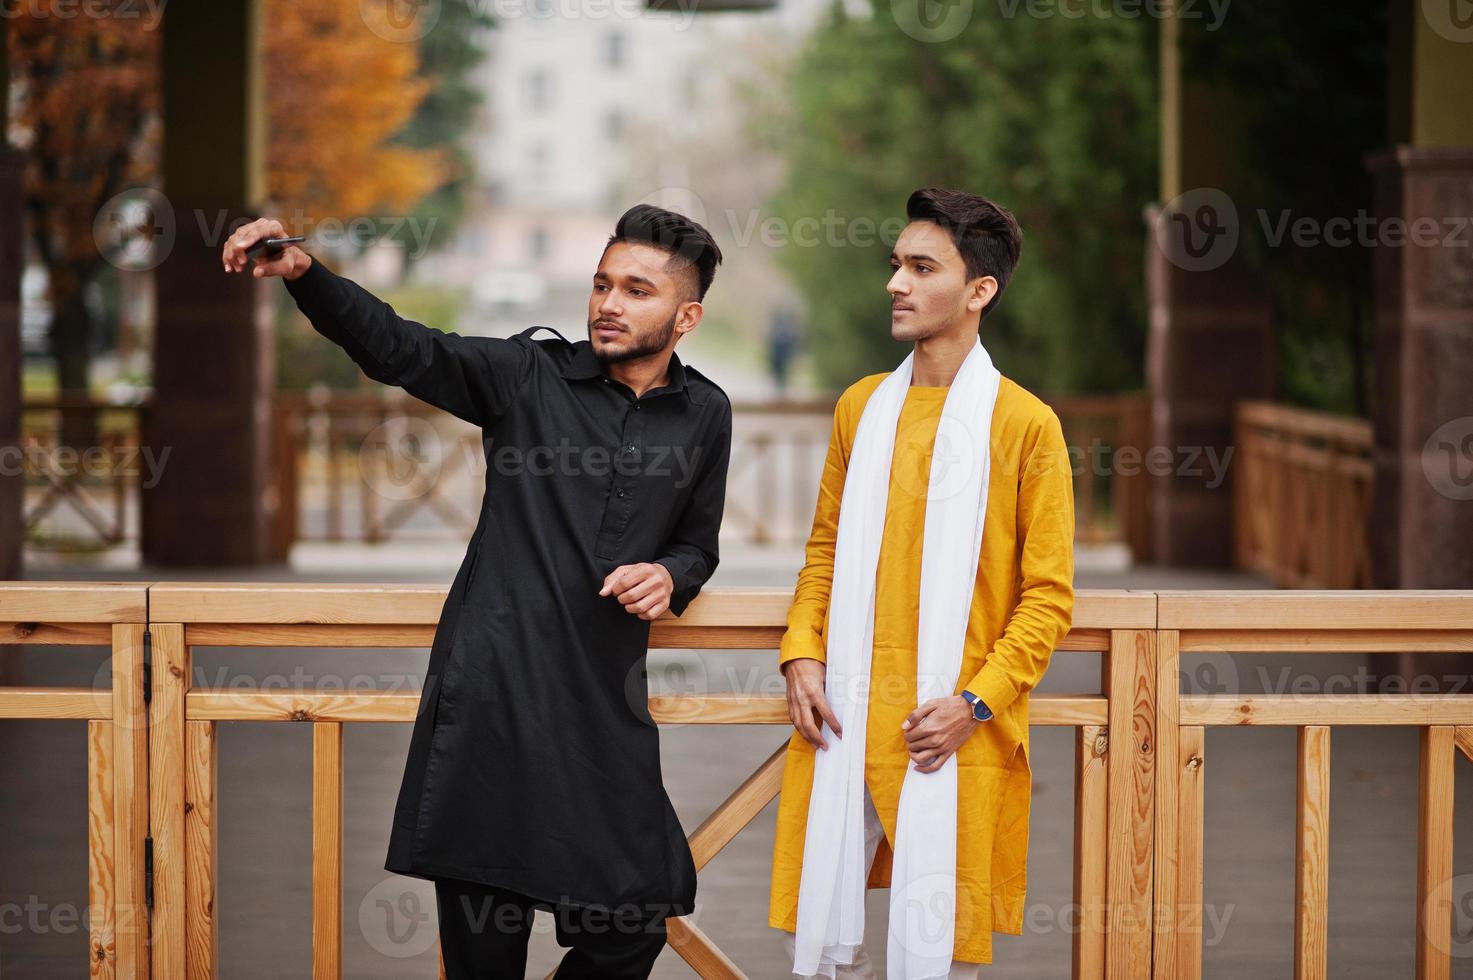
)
(614, 124)
(538, 156)
(614, 49)
(541, 243)
(539, 89)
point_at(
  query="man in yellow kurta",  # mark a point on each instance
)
(950, 266)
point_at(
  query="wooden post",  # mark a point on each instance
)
(1312, 849)
(1131, 688)
(1091, 828)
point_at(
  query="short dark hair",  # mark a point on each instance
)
(689, 244)
(984, 232)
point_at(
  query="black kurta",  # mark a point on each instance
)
(534, 764)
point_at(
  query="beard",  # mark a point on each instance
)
(641, 345)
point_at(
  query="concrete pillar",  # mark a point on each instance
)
(213, 360)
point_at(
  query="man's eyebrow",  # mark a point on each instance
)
(918, 257)
(604, 276)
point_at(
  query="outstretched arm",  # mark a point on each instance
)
(473, 378)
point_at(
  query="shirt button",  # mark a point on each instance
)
(623, 493)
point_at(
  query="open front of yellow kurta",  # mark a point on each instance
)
(1022, 607)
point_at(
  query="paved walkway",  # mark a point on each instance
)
(265, 889)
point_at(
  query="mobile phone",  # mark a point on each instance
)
(274, 245)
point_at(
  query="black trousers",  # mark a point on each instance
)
(484, 932)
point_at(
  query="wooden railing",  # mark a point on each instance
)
(1138, 842)
(1302, 496)
(96, 483)
(1309, 623)
(112, 616)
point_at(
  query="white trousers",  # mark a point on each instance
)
(862, 968)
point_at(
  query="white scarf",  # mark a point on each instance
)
(923, 880)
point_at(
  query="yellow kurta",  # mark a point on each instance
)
(1022, 606)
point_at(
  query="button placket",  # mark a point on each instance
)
(626, 476)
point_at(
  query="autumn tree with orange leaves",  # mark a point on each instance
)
(86, 112)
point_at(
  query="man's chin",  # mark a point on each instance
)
(902, 329)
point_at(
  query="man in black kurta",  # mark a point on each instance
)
(533, 773)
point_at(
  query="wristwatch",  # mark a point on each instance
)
(980, 711)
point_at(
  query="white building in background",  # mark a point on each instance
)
(591, 106)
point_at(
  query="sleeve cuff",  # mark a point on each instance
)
(676, 568)
(311, 281)
(798, 644)
(992, 687)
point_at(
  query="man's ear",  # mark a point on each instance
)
(982, 289)
(688, 316)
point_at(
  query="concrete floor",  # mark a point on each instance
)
(265, 885)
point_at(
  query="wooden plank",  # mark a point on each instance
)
(327, 850)
(1463, 739)
(73, 602)
(202, 849)
(1435, 854)
(1327, 640)
(697, 949)
(308, 635)
(129, 725)
(1327, 709)
(1312, 850)
(1307, 609)
(1346, 430)
(93, 704)
(237, 704)
(102, 960)
(1131, 688)
(1168, 691)
(665, 634)
(1091, 829)
(282, 602)
(1189, 915)
(728, 819)
(166, 756)
(55, 634)
(406, 605)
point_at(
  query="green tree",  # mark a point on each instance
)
(1053, 117)
(448, 57)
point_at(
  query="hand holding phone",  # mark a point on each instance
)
(265, 242)
(273, 246)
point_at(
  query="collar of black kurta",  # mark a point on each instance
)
(583, 364)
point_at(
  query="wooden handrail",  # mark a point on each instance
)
(1140, 747)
